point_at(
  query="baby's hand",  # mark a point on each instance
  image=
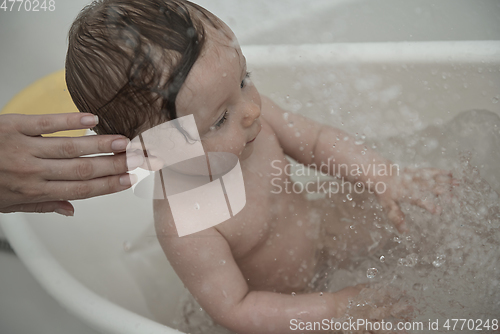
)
(416, 186)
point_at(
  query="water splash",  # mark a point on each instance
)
(371, 272)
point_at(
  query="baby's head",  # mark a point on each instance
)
(139, 63)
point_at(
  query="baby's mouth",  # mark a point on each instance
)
(248, 142)
(260, 128)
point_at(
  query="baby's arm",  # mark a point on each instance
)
(319, 143)
(336, 151)
(204, 263)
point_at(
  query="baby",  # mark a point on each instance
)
(139, 63)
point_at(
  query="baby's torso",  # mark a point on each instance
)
(273, 239)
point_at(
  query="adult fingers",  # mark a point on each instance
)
(35, 125)
(81, 169)
(67, 147)
(72, 190)
(62, 207)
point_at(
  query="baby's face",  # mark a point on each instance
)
(225, 104)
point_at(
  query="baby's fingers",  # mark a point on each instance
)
(397, 217)
(429, 206)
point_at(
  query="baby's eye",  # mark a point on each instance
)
(247, 76)
(220, 122)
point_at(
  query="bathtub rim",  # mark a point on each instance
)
(59, 283)
(487, 51)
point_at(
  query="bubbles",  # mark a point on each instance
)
(382, 258)
(372, 272)
(360, 140)
(409, 261)
(439, 261)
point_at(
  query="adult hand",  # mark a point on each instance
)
(40, 174)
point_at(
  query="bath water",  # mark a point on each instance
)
(447, 266)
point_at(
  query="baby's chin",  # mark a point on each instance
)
(247, 151)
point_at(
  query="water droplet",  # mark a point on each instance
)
(439, 261)
(293, 294)
(321, 294)
(382, 258)
(359, 142)
(126, 246)
(349, 197)
(363, 152)
(372, 272)
(197, 206)
(224, 74)
(222, 262)
(495, 99)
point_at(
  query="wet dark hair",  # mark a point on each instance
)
(128, 59)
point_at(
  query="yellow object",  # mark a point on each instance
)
(48, 95)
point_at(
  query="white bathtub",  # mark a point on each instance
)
(90, 263)
(83, 262)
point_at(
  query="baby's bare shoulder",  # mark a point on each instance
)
(297, 135)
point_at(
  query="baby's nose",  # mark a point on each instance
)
(250, 114)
